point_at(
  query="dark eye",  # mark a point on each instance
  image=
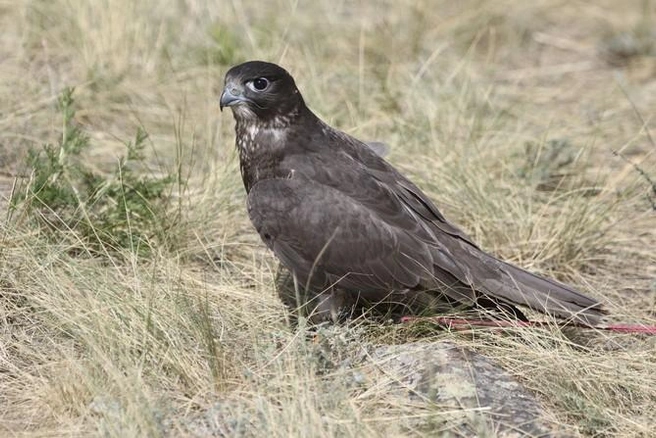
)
(259, 84)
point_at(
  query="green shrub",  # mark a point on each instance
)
(124, 209)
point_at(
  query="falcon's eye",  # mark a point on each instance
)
(259, 84)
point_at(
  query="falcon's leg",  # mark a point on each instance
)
(318, 306)
(327, 306)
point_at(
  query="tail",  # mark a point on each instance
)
(503, 281)
(552, 297)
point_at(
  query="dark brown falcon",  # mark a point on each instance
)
(354, 230)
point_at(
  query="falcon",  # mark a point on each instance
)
(351, 229)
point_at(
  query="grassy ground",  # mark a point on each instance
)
(530, 123)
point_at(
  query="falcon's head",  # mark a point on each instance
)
(260, 91)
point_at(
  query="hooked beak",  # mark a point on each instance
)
(232, 96)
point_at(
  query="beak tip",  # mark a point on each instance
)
(231, 97)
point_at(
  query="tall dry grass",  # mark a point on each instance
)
(507, 113)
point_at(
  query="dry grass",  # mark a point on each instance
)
(507, 113)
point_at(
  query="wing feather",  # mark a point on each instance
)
(310, 225)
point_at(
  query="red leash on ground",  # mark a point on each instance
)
(465, 324)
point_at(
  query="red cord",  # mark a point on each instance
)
(464, 324)
(630, 328)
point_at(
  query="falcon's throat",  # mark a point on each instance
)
(261, 145)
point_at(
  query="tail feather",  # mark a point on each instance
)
(509, 283)
(550, 296)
